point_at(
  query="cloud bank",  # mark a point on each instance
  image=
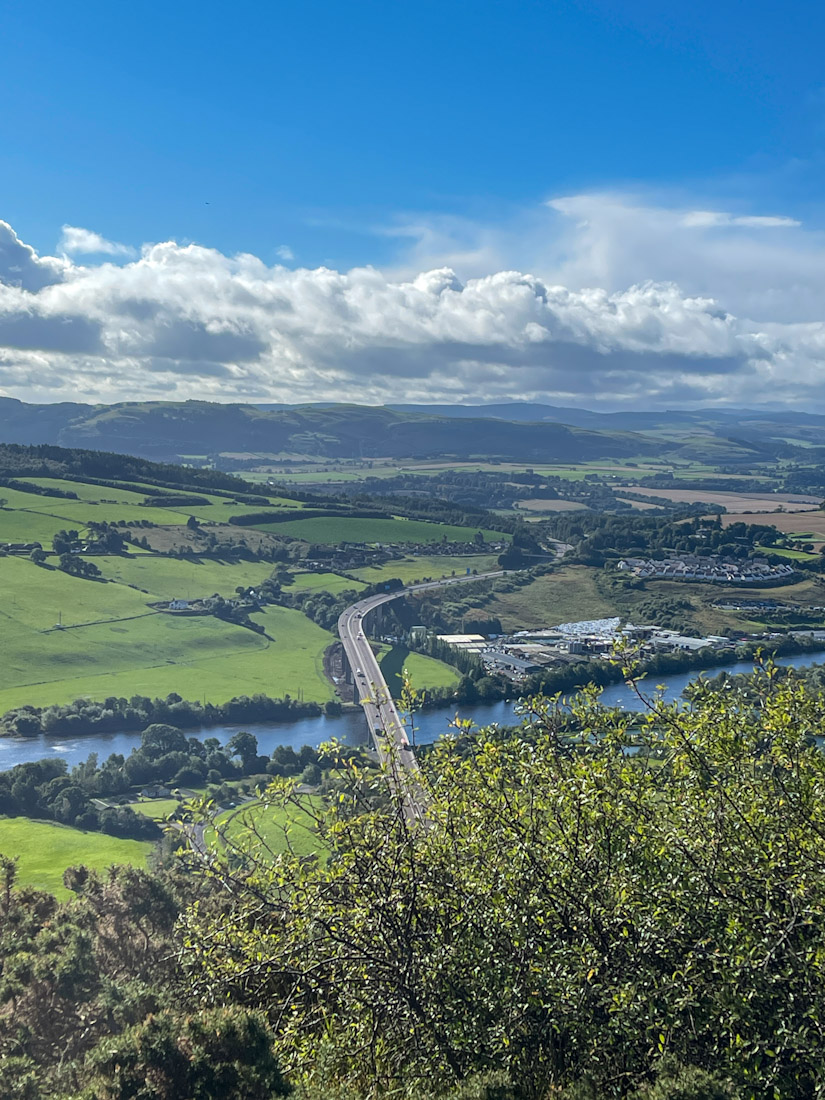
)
(619, 311)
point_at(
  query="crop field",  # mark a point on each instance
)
(434, 566)
(171, 578)
(127, 650)
(335, 529)
(46, 850)
(425, 672)
(808, 526)
(256, 827)
(734, 502)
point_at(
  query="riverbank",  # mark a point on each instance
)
(349, 727)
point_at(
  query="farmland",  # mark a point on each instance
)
(45, 850)
(809, 526)
(335, 529)
(733, 502)
(434, 566)
(112, 644)
(168, 578)
(323, 582)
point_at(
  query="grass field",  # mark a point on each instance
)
(435, 566)
(33, 596)
(156, 808)
(133, 651)
(793, 555)
(334, 529)
(323, 582)
(28, 517)
(46, 850)
(168, 578)
(564, 596)
(275, 829)
(425, 672)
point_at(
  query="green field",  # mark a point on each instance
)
(126, 649)
(33, 596)
(794, 555)
(256, 827)
(170, 578)
(27, 517)
(425, 672)
(323, 582)
(435, 566)
(156, 808)
(335, 529)
(46, 850)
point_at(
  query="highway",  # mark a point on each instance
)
(385, 725)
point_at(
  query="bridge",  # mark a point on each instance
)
(386, 727)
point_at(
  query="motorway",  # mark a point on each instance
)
(385, 725)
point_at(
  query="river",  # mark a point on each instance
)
(349, 728)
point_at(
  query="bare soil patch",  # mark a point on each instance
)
(552, 506)
(791, 523)
(734, 502)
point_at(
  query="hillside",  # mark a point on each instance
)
(519, 431)
(167, 431)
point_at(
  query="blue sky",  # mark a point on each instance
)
(412, 137)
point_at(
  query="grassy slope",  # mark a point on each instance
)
(323, 582)
(339, 529)
(566, 596)
(425, 672)
(46, 850)
(167, 578)
(135, 652)
(430, 565)
(578, 592)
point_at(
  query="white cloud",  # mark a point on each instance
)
(284, 252)
(602, 322)
(85, 242)
(706, 219)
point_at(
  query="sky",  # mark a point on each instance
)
(581, 202)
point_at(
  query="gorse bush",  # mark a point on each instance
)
(577, 912)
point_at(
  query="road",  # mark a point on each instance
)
(386, 727)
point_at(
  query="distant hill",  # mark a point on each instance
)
(169, 431)
(520, 431)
